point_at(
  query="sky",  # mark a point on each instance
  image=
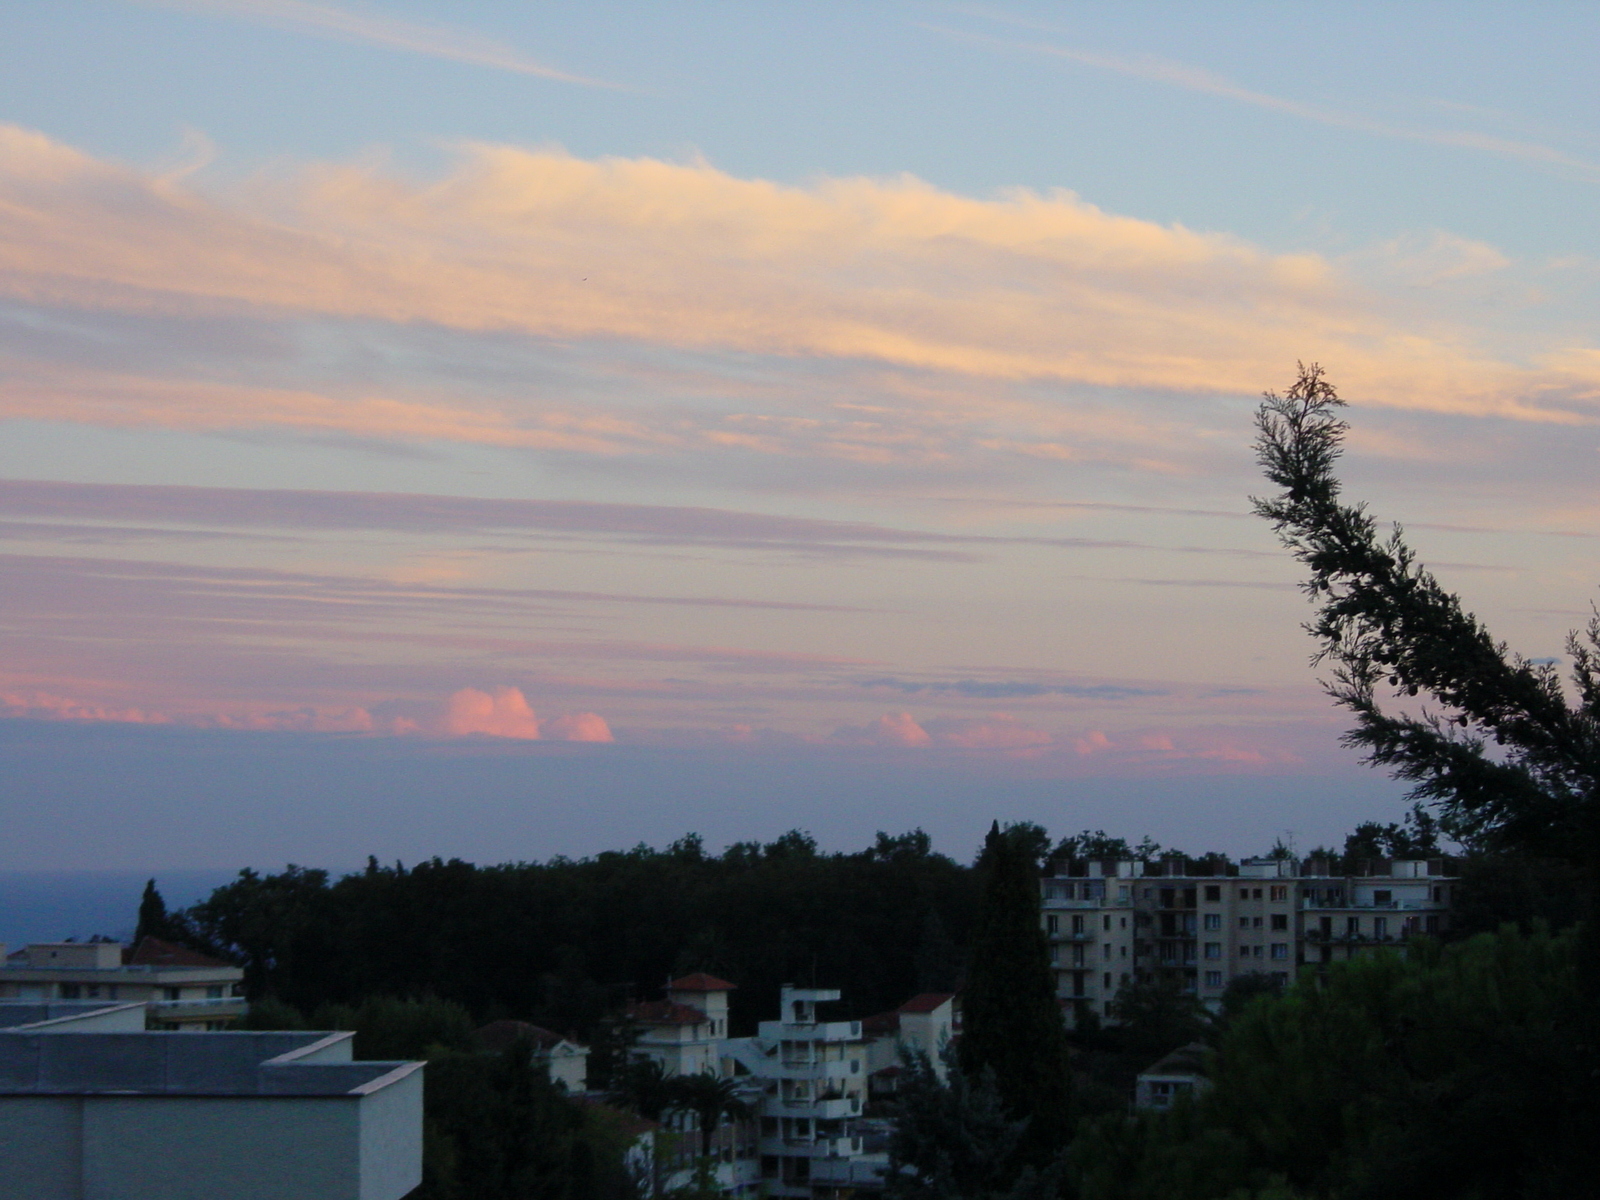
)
(509, 430)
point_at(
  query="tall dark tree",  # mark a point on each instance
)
(954, 1140)
(1392, 633)
(1013, 1024)
(154, 919)
(1487, 736)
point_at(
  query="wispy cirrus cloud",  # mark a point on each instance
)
(378, 29)
(1156, 69)
(1006, 689)
(202, 508)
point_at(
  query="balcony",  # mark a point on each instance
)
(829, 1108)
(221, 1006)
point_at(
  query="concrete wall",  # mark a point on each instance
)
(41, 1147)
(200, 1148)
(391, 1137)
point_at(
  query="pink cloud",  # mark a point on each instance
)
(998, 731)
(579, 727)
(1094, 742)
(48, 706)
(504, 713)
(891, 729)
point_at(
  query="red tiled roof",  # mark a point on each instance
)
(665, 1012)
(926, 1002)
(884, 1022)
(497, 1035)
(153, 952)
(700, 982)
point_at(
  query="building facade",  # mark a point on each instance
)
(1202, 924)
(183, 990)
(803, 1078)
(91, 1109)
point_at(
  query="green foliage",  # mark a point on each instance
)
(496, 1129)
(390, 1028)
(155, 921)
(271, 1013)
(955, 1140)
(561, 943)
(1450, 1073)
(1391, 633)
(1013, 1024)
(1156, 1016)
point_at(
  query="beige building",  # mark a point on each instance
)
(182, 989)
(1203, 924)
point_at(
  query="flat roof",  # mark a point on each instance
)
(182, 1064)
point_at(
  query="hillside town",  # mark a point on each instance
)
(98, 1039)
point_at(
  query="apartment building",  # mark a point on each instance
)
(1201, 924)
(183, 990)
(804, 1078)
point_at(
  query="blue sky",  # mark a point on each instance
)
(756, 390)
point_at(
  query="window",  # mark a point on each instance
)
(1352, 925)
(1106, 923)
(1280, 920)
(1108, 981)
(1257, 895)
(1124, 922)
(1255, 923)
(1383, 896)
(1108, 950)
(1213, 920)
(1213, 949)
(1213, 978)
(1280, 950)
(1124, 952)
(1256, 951)
(1380, 927)
(1431, 924)
(1213, 893)
(1077, 923)
(71, 991)
(1280, 893)
(1244, 893)
(1052, 925)
(1244, 922)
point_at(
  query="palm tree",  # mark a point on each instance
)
(711, 1099)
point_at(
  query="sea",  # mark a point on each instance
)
(52, 906)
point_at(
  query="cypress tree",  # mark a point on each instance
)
(154, 920)
(1013, 1024)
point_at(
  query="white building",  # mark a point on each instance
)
(1203, 924)
(685, 1031)
(1180, 1075)
(924, 1024)
(93, 1110)
(183, 989)
(805, 1078)
(565, 1061)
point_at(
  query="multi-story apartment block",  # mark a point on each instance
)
(183, 990)
(1202, 924)
(804, 1078)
